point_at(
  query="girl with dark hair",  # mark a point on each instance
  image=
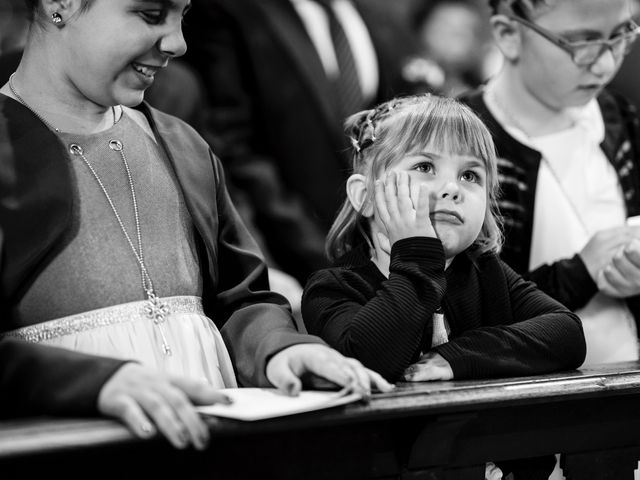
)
(117, 234)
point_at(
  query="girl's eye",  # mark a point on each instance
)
(470, 176)
(424, 167)
(153, 17)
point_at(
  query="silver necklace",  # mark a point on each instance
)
(155, 308)
(556, 177)
(38, 114)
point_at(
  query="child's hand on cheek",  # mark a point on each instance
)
(397, 212)
(381, 243)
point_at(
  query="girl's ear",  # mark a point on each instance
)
(64, 8)
(357, 194)
(507, 35)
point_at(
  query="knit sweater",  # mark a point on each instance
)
(566, 280)
(501, 325)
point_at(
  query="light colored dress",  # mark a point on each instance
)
(125, 331)
(89, 296)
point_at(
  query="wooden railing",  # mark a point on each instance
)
(440, 430)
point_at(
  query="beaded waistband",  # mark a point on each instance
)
(126, 312)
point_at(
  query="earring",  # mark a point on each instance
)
(56, 18)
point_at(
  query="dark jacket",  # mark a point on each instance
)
(501, 325)
(274, 121)
(39, 379)
(35, 210)
(566, 280)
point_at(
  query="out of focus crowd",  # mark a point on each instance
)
(412, 46)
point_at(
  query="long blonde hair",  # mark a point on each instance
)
(408, 124)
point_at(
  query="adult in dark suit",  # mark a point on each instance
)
(274, 117)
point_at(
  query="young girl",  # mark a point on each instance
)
(117, 234)
(417, 291)
(569, 153)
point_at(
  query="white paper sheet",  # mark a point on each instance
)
(259, 403)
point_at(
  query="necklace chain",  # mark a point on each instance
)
(21, 100)
(155, 309)
(38, 114)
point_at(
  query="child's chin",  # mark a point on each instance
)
(449, 254)
(452, 247)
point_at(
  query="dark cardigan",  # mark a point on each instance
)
(501, 325)
(39, 379)
(566, 280)
(35, 211)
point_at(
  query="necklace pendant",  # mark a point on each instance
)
(166, 349)
(155, 308)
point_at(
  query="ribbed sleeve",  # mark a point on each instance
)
(380, 321)
(523, 331)
(501, 325)
(567, 280)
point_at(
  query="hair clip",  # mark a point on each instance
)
(373, 130)
(355, 144)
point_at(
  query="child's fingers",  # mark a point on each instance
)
(391, 194)
(132, 415)
(632, 252)
(432, 366)
(384, 243)
(617, 285)
(425, 373)
(421, 373)
(405, 205)
(492, 472)
(422, 208)
(380, 203)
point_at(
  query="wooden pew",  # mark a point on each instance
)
(430, 431)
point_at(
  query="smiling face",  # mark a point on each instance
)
(111, 51)
(457, 187)
(548, 72)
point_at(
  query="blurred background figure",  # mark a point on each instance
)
(456, 47)
(626, 81)
(13, 25)
(13, 35)
(279, 79)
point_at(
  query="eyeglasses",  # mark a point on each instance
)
(586, 53)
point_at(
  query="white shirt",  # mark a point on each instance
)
(578, 194)
(315, 20)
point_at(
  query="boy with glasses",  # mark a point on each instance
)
(569, 152)
(569, 165)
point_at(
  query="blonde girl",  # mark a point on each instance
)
(417, 291)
